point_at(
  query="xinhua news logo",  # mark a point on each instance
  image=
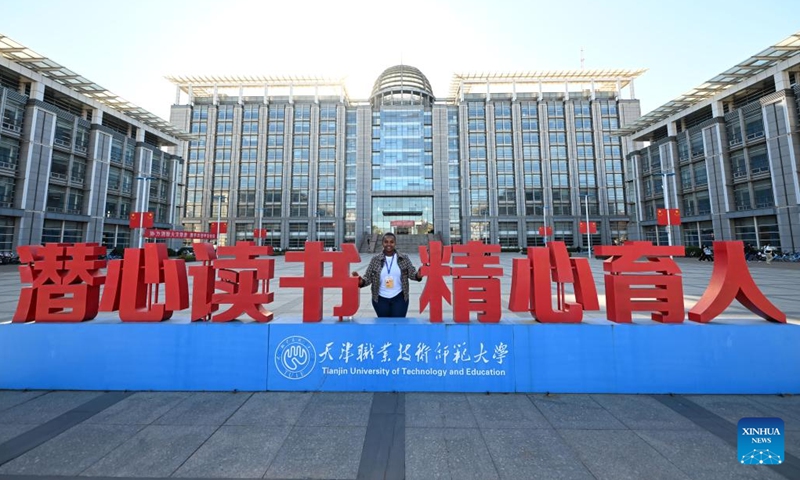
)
(760, 441)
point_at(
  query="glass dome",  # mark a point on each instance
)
(402, 85)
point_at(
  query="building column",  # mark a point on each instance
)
(35, 157)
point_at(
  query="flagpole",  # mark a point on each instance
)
(588, 230)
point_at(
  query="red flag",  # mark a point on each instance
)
(137, 220)
(260, 233)
(670, 216)
(223, 227)
(592, 227)
(545, 231)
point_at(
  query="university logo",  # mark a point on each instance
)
(761, 441)
(295, 357)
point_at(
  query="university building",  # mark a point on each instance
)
(725, 154)
(500, 156)
(75, 159)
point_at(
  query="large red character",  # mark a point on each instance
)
(65, 282)
(435, 267)
(243, 282)
(531, 280)
(313, 282)
(476, 287)
(731, 280)
(141, 272)
(625, 283)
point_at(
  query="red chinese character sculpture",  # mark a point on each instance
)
(731, 280)
(532, 277)
(314, 283)
(434, 266)
(625, 285)
(475, 286)
(142, 271)
(65, 282)
(243, 282)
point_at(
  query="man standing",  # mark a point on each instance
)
(388, 273)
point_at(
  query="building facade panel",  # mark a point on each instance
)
(501, 157)
(736, 175)
(67, 150)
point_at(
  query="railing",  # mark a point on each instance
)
(757, 170)
(76, 180)
(11, 127)
(58, 176)
(739, 173)
(63, 143)
(8, 166)
(754, 135)
(737, 140)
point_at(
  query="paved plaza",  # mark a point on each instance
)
(398, 435)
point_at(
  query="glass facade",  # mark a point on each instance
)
(488, 167)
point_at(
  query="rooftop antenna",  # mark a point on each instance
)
(582, 59)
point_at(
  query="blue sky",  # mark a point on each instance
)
(128, 47)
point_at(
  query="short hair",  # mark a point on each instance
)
(388, 234)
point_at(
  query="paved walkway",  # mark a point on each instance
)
(397, 435)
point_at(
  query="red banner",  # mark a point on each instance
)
(545, 231)
(150, 233)
(670, 216)
(222, 229)
(592, 227)
(402, 223)
(136, 220)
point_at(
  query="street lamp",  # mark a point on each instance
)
(316, 224)
(588, 230)
(145, 197)
(665, 187)
(544, 221)
(221, 199)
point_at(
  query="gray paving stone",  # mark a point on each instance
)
(532, 454)
(343, 409)
(236, 452)
(702, 455)
(71, 452)
(619, 455)
(575, 412)
(792, 444)
(204, 408)
(155, 451)
(11, 430)
(450, 410)
(10, 398)
(734, 407)
(271, 408)
(141, 408)
(447, 453)
(642, 412)
(506, 411)
(319, 452)
(786, 407)
(44, 408)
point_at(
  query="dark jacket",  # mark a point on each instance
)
(373, 274)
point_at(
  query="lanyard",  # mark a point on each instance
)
(389, 265)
